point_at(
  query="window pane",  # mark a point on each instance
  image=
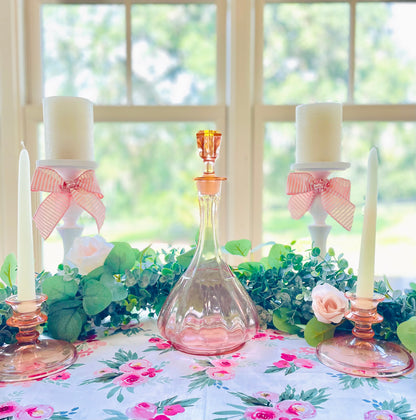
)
(305, 53)
(174, 54)
(83, 52)
(396, 224)
(385, 53)
(146, 173)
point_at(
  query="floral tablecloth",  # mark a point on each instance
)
(136, 374)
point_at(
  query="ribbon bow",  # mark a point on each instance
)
(83, 190)
(334, 192)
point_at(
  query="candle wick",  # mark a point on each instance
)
(22, 143)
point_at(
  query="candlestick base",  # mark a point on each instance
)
(360, 354)
(31, 357)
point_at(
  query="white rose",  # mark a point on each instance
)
(328, 303)
(88, 253)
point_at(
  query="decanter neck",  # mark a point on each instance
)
(208, 240)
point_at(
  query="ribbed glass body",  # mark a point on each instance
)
(208, 312)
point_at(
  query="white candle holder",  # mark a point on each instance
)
(69, 169)
(319, 230)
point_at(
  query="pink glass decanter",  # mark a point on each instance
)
(208, 312)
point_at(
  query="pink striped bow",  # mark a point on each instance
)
(84, 190)
(335, 195)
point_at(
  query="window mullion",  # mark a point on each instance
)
(351, 58)
(129, 93)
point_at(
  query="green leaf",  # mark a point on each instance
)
(96, 273)
(241, 247)
(406, 331)
(65, 320)
(117, 289)
(121, 258)
(96, 297)
(280, 321)
(316, 332)
(56, 288)
(185, 259)
(276, 251)
(8, 271)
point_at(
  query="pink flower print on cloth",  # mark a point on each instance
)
(261, 413)
(38, 412)
(129, 379)
(381, 415)
(61, 376)
(304, 363)
(224, 363)
(273, 397)
(8, 409)
(220, 374)
(290, 363)
(142, 411)
(296, 409)
(172, 410)
(282, 364)
(135, 365)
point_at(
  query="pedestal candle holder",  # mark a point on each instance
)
(69, 169)
(360, 354)
(32, 357)
(319, 230)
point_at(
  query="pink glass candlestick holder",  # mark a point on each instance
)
(208, 312)
(32, 357)
(360, 354)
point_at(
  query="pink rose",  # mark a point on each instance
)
(129, 379)
(299, 409)
(88, 253)
(261, 413)
(172, 410)
(161, 417)
(8, 409)
(61, 376)
(220, 374)
(155, 340)
(305, 363)
(328, 303)
(281, 364)
(135, 365)
(38, 412)
(225, 363)
(142, 411)
(151, 372)
(269, 396)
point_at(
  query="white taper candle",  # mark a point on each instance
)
(365, 280)
(25, 256)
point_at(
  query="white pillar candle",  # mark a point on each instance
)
(25, 256)
(365, 280)
(318, 132)
(69, 123)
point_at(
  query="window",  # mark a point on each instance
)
(159, 70)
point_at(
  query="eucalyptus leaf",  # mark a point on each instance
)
(56, 288)
(97, 297)
(406, 331)
(67, 320)
(275, 254)
(241, 247)
(185, 259)
(117, 289)
(281, 321)
(316, 332)
(8, 271)
(121, 258)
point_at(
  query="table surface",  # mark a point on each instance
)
(134, 373)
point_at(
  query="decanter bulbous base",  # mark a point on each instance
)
(207, 313)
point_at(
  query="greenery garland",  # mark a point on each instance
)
(130, 281)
